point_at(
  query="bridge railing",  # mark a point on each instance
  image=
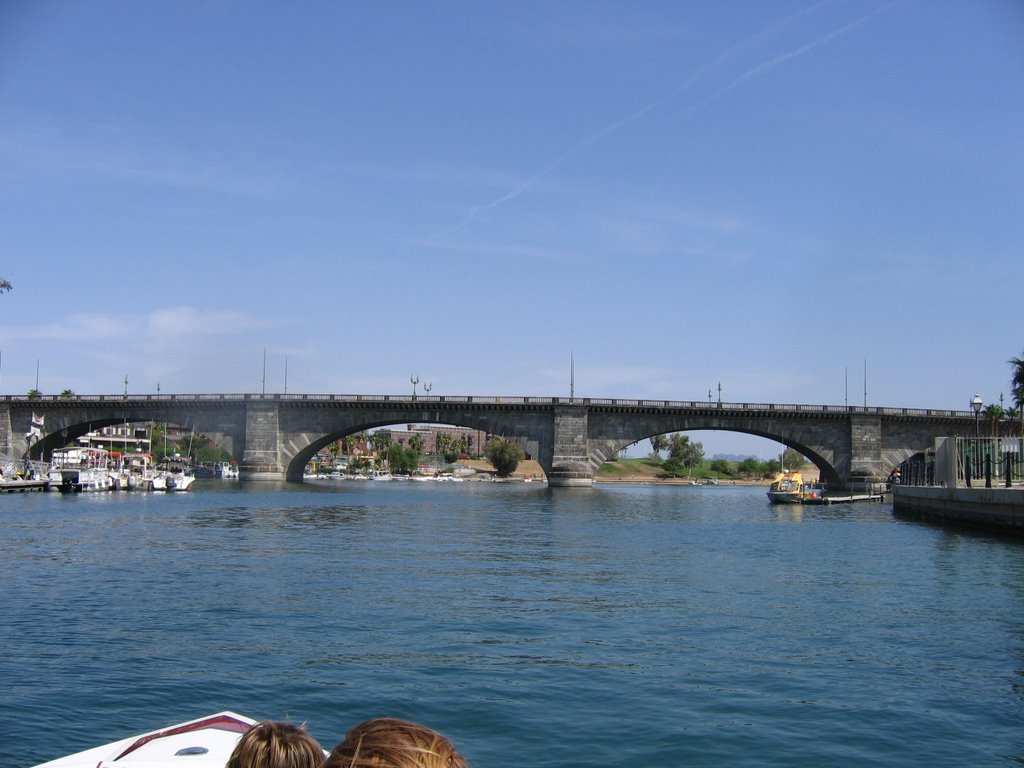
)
(698, 405)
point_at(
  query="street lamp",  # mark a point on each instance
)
(976, 405)
(414, 380)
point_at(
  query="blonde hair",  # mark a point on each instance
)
(386, 742)
(276, 745)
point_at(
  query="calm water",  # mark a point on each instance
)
(621, 626)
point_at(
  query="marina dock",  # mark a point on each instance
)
(849, 499)
(20, 486)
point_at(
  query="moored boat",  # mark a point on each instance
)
(790, 488)
(226, 470)
(203, 743)
(177, 474)
(75, 469)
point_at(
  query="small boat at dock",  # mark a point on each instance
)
(77, 469)
(790, 488)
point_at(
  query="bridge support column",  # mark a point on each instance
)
(865, 450)
(570, 466)
(261, 459)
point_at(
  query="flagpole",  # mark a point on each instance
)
(572, 378)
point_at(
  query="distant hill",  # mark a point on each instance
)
(734, 457)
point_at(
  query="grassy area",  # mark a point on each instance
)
(648, 469)
(626, 469)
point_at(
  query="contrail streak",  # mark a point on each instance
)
(699, 74)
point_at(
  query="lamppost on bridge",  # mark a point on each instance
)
(976, 405)
(719, 393)
(427, 387)
(414, 380)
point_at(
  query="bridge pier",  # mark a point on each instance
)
(865, 451)
(261, 459)
(570, 459)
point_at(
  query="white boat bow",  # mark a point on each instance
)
(203, 743)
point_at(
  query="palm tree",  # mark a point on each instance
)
(994, 413)
(354, 443)
(1011, 417)
(1017, 386)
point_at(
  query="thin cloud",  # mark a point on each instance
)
(157, 325)
(698, 76)
(175, 321)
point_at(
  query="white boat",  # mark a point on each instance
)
(225, 470)
(176, 474)
(138, 473)
(80, 469)
(203, 743)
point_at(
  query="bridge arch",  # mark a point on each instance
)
(603, 449)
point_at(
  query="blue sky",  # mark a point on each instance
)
(771, 195)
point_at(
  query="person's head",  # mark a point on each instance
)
(276, 745)
(386, 742)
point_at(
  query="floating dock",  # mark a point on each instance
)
(20, 486)
(837, 499)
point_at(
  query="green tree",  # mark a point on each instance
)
(158, 445)
(659, 443)
(721, 467)
(380, 442)
(354, 441)
(1017, 386)
(67, 394)
(402, 459)
(793, 459)
(460, 447)
(416, 442)
(682, 453)
(5, 286)
(204, 450)
(994, 413)
(1012, 414)
(749, 467)
(34, 394)
(503, 455)
(443, 445)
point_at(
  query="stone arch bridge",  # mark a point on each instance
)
(275, 435)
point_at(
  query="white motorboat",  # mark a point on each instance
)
(177, 475)
(80, 469)
(225, 470)
(203, 743)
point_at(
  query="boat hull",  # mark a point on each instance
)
(203, 743)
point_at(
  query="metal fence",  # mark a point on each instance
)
(990, 461)
(916, 472)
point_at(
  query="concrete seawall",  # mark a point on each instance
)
(999, 509)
